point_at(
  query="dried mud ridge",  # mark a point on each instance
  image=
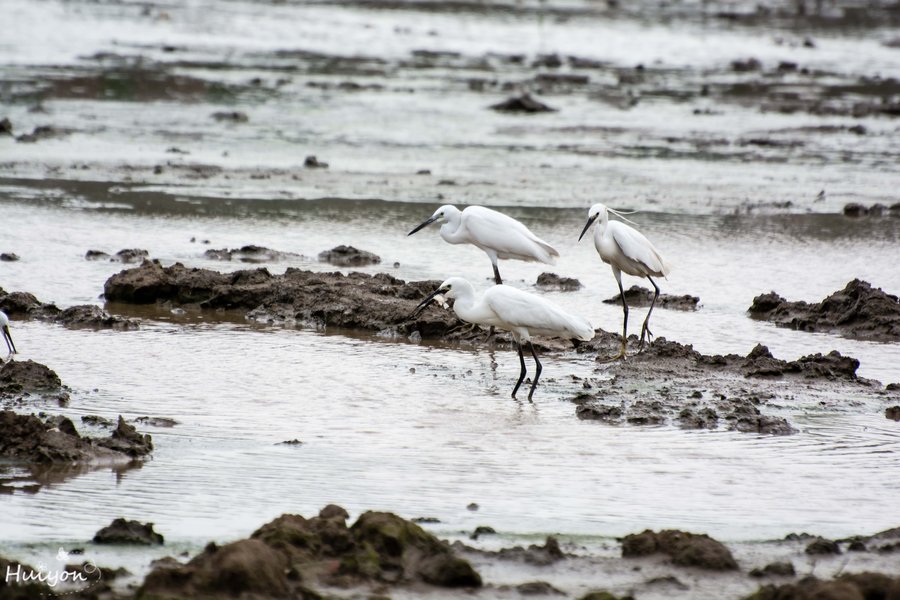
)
(19, 305)
(640, 296)
(296, 557)
(858, 311)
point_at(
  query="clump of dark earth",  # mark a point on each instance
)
(538, 588)
(685, 549)
(348, 256)
(9, 257)
(131, 255)
(775, 569)
(96, 255)
(849, 586)
(19, 305)
(822, 546)
(233, 116)
(6, 127)
(28, 377)
(311, 162)
(287, 555)
(554, 282)
(639, 296)
(122, 531)
(480, 531)
(248, 254)
(892, 413)
(858, 311)
(522, 104)
(26, 438)
(43, 132)
(546, 554)
(856, 210)
(603, 595)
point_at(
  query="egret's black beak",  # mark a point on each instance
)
(428, 300)
(587, 225)
(8, 338)
(424, 224)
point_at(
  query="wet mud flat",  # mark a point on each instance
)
(384, 554)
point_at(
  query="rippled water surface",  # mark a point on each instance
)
(424, 429)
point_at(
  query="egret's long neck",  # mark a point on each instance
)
(464, 303)
(600, 228)
(450, 230)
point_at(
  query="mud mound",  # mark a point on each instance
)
(122, 531)
(370, 302)
(379, 547)
(851, 586)
(554, 282)
(26, 438)
(639, 296)
(680, 385)
(857, 311)
(348, 256)
(249, 254)
(25, 305)
(686, 549)
(18, 377)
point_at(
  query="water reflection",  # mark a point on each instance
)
(32, 478)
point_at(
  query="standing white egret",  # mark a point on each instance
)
(4, 326)
(520, 313)
(624, 248)
(499, 235)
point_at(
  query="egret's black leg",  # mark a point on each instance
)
(497, 279)
(623, 348)
(522, 373)
(8, 339)
(645, 329)
(537, 370)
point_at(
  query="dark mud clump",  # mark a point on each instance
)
(822, 546)
(638, 296)
(9, 257)
(348, 256)
(850, 586)
(775, 569)
(554, 282)
(43, 132)
(522, 104)
(291, 553)
(122, 531)
(537, 555)
(6, 126)
(232, 116)
(311, 162)
(858, 311)
(28, 377)
(685, 549)
(23, 304)
(370, 302)
(131, 255)
(26, 438)
(249, 254)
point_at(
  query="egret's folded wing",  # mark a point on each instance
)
(542, 317)
(635, 245)
(508, 237)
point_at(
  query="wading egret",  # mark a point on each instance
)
(624, 248)
(4, 326)
(520, 313)
(498, 235)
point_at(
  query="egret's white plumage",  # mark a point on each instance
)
(522, 314)
(498, 235)
(627, 250)
(4, 327)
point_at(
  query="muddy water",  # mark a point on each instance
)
(425, 430)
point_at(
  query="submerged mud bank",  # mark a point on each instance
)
(672, 383)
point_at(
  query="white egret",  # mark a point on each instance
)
(499, 235)
(520, 313)
(624, 248)
(4, 326)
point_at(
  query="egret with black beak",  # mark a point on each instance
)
(520, 313)
(624, 248)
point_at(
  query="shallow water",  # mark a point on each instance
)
(422, 429)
